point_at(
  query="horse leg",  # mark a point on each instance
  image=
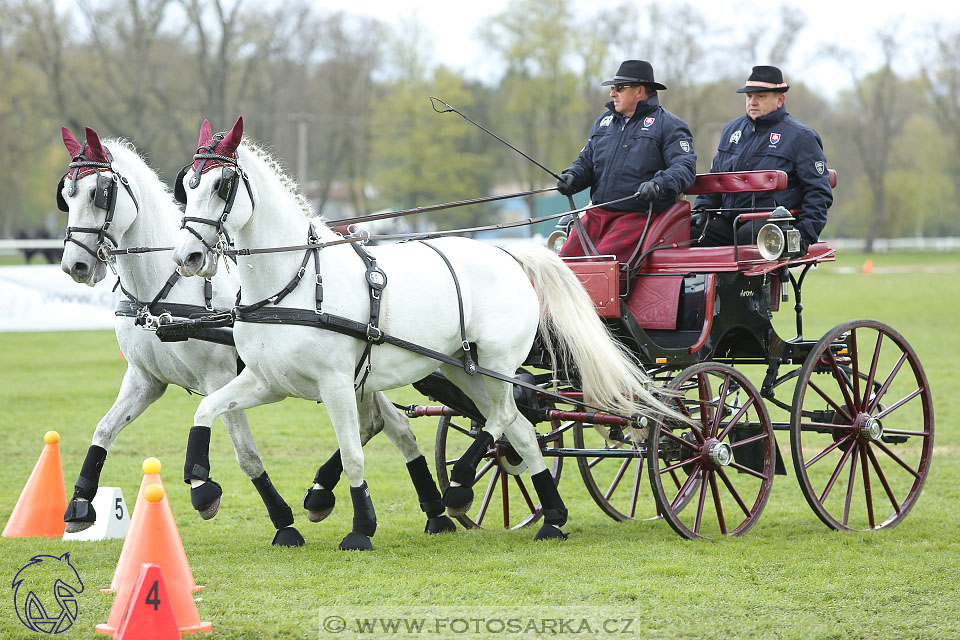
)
(137, 392)
(522, 436)
(249, 460)
(397, 428)
(243, 392)
(342, 408)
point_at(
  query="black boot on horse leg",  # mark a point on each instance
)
(554, 511)
(364, 521)
(458, 499)
(80, 514)
(429, 496)
(280, 513)
(320, 500)
(204, 492)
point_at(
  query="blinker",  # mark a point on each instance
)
(227, 178)
(104, 192)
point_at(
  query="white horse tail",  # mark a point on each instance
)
(569, 327)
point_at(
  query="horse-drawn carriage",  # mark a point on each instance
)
(855, 401)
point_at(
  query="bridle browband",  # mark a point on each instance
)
(226, 190)
(105, 197)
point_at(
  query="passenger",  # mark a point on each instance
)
(637, 148)
(768, 137)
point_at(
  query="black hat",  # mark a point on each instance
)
(635, 72)
(765, 78)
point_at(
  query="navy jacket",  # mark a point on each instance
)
(775, 141)
(653, 145)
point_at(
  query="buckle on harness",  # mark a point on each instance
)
(374, 334)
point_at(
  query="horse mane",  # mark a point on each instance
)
(133, 166)
(260, 152)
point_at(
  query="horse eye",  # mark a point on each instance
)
(93, 193)
(216, 184)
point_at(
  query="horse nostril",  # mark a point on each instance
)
(81, 268)
(194, 259)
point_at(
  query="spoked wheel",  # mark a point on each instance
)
(728, 453)
(614, 482)
(503, 491)
(861, 427)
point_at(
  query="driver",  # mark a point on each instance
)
(767, 137)
(637, 148)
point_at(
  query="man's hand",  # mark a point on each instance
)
(804, 246)
(648, 191)
(565, 184)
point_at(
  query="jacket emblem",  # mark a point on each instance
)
(774, 138)
(648, 121)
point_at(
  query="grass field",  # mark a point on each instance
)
(789, 577)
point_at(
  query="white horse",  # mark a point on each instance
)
(493, 306)
(116, 201)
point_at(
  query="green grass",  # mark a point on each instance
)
(789, 577)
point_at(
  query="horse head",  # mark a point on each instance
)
(97, 217)
(209, 188)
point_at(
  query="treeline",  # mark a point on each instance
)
(343, 100)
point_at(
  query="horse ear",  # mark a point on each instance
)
(73, 147)
(232, 140)
(178, 192)
(206, 134)
(61, 203)
(97, 152)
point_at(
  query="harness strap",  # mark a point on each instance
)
(468, 364)
(295, 281)
(377, 281)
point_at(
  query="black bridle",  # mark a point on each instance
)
(231, 173)
(105, 197)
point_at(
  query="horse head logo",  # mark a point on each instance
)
(45, 593)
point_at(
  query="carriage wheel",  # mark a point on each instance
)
(861, 456)
(728, 452)
(615, 483)
(503, 491)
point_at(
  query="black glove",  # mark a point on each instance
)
(648, 191)
(565, 184)
(804, 246)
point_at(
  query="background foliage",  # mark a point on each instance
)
(343, 99)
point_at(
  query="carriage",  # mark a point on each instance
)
(855, 402)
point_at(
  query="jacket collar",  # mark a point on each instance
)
(772, 118)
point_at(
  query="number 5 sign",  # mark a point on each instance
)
(113, 518)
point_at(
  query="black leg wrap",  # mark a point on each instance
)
(328, 475)
(196, 466)
(465, 469)
(89, 479)
(288, 537)
(356, 542)
(80, 511)
(554, 511)
(319, 501)
(550, 532)
(280, 513)
(364, 517)
(427, 491)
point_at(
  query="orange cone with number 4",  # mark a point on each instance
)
(158, 541)
(39, 511)
(149, 614)
(126, 571)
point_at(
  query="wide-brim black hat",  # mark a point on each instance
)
(765, 78)
(635, 72)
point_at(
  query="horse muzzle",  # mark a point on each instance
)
(84, 270)
(194, 259)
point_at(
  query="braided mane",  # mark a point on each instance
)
(289, 183)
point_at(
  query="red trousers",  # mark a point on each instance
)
(612, 232)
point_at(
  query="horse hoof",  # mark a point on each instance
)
(458, 500)
(205, 498)
(79, 516)
(356, 542)
(440, 524)
(319, 504)
(288, 537)
(77, 527)
(550, 532)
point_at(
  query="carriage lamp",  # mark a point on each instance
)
(770, 241)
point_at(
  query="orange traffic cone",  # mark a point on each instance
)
(868, 266)
(158, 542)
(39, 511)
(126, 571)
(149, 613)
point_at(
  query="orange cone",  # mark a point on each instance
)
(126, 571)
(868, 266)
(158, 542)
(149, 613)
(39, 511)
